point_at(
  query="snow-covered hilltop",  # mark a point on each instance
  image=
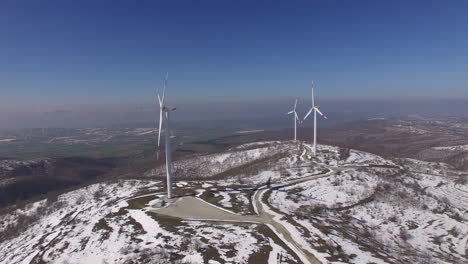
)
(344, 206)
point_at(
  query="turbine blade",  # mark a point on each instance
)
(318, 111)
(159, 131)
(159, 100)
(295, 114)
(164, 89)
(312, 88)
(295, 104)
(290, 112)
(308, 113)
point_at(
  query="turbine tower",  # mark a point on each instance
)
(296, 118)
(316, 110)
(164, 115)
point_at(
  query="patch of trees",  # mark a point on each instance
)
(239, 161)
(251, 168)
(343, 153)
(151, 255)
(43, 177)
(38, 169)
(29, 187)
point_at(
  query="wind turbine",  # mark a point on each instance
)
(316, 110)
(164, 115)
(296, 118)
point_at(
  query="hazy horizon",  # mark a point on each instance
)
(106, 115)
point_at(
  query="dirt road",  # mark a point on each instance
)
(282, 232)
(193, 208)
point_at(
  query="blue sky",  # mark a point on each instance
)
(70, 52)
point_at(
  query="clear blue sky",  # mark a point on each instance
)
(117, 51)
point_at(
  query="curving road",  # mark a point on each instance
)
(193, 208)
(282, 232)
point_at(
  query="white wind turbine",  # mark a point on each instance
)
(164, 115)
(316, 110)
(296, 118)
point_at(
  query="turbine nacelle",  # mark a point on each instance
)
(167, 108)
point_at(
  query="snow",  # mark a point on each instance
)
(80, 242)
(249, 131)
(146, 132)
(204, 166)
(228, 236)
(244, 200)
(149, 224)
(222, 157)
(355, 186)
(207, 185)
(181, 184)
(54, 226)
(276, 250)
(444, 188)
(264, 177)
(351, 248)
(261, 143)
(361, 199)
(360, 157)
(193, 258)
(226, 201)
(453, 148)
